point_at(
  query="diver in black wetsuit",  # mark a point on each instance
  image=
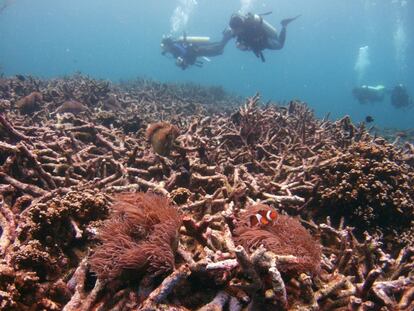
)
(369, 94)
(185, 51)
(254, 34)
(400, 97)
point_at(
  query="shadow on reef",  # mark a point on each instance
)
(214, 169)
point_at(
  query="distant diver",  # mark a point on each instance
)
(255, 34)
(186, 50)
(400, 97)
(369, 94)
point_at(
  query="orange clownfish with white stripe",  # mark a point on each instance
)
(263, 218)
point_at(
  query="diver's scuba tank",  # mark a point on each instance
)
(194, 39)
(269, 29)
(379, 89)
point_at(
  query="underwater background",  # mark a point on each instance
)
(320, 63)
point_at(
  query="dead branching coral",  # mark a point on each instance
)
(250, 122)
(47, 230)
(371, 186)
(271, 155)
(46, 245)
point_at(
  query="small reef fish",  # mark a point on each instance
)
(263, 218)
(369, 119)
(21, 78)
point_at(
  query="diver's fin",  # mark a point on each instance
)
(286, 21)
(266, 13)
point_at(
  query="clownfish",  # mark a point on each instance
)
(263, 218)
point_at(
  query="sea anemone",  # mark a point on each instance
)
(29, 103)
(285, 236)
(161, 135)
(72, 106)
(140, 237)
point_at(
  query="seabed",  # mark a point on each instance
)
(140, 196)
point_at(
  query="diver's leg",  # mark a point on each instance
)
(278, 42)
(215, 48)
(211, 49)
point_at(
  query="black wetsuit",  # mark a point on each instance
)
(253, 36)
(400, 97)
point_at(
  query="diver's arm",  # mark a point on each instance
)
(211, 49)
(215, 48)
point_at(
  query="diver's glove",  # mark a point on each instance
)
(227, 34)
(180, 62)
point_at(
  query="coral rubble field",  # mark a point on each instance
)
(151, 196)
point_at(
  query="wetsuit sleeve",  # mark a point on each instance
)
(214, 48)
(211, 49)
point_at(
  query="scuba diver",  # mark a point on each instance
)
(371, 94)
(186, 49)
(400, 97)
(255, 34)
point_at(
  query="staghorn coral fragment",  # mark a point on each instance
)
(141, 236)
(159, 295)
(268, 260)
(10, 130)
(286, 236)
(217, 304)
(162, 135)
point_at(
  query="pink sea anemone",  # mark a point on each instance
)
(286, 236)
(140, 236)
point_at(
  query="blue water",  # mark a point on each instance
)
(121, 40)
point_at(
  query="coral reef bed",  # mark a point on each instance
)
(395, 136)
(151, 196)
